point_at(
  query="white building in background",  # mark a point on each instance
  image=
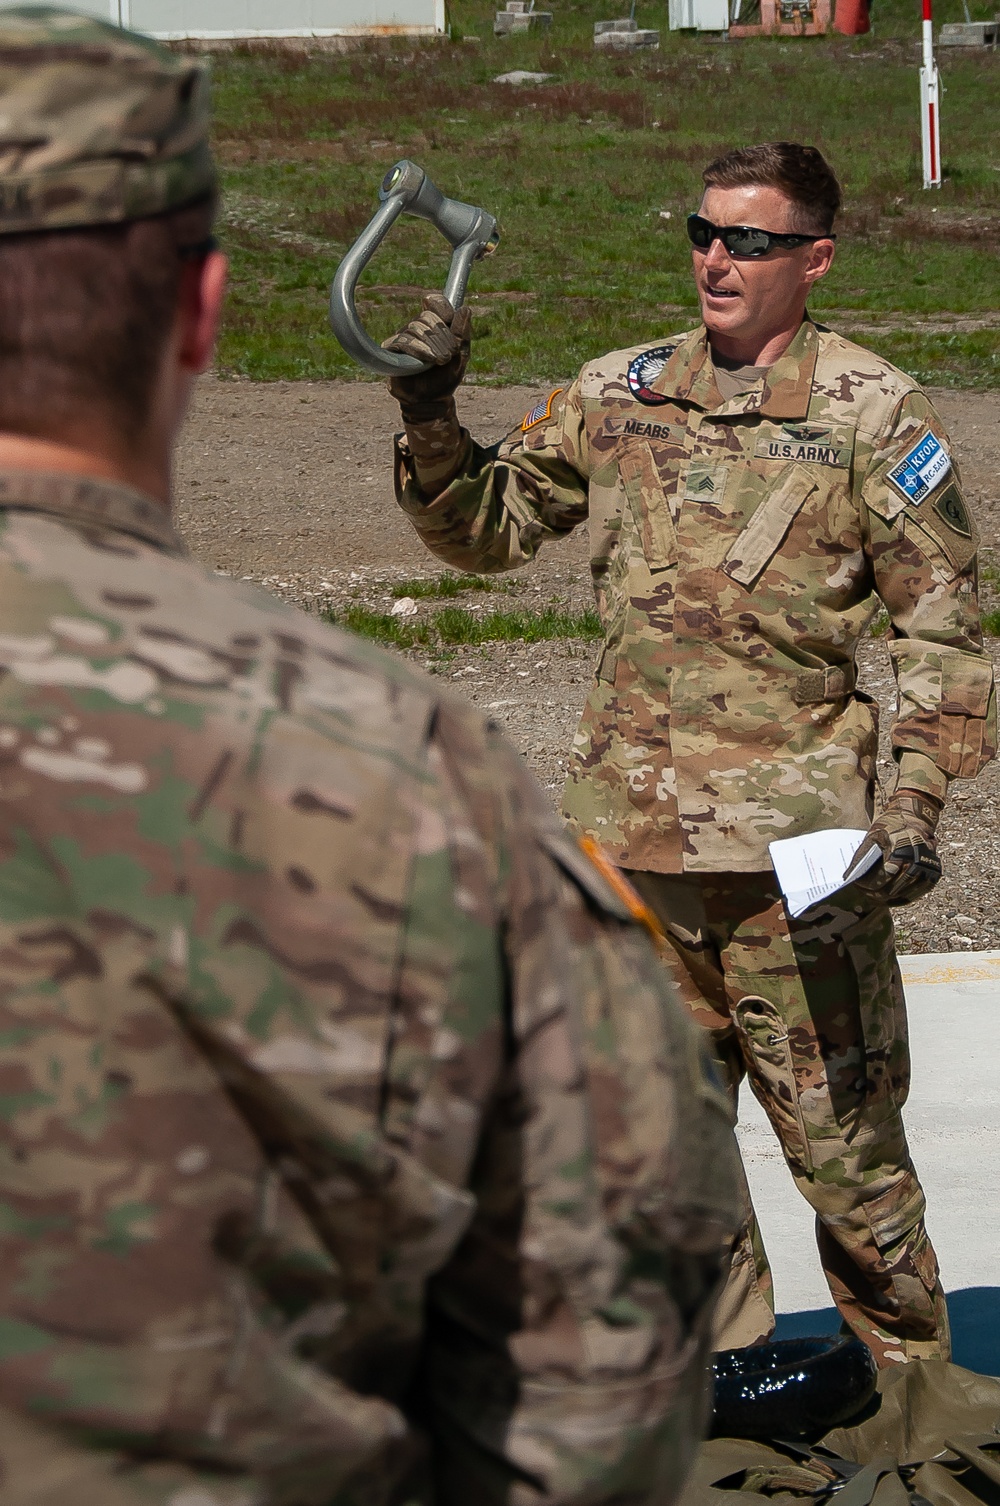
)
(701, 15)
(225, 20)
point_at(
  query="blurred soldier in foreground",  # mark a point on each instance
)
(752, 488)
(353, 1150)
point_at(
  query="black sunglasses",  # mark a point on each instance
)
(743, 240)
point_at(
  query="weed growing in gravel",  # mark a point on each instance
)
(446, 585)
(454, 625)
(991, 624)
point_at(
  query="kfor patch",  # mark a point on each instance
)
(540, 411)
(643, 372)
(919, 472)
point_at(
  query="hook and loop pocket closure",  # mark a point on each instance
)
(755, 546)
(767, 1049)
(820, 687)
(650, 506)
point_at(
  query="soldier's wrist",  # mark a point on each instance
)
(921, 774)
(437, 455)
(915, 810)
(429, 410)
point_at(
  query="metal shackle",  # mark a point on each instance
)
(406, 189)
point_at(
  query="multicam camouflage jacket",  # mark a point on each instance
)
(737, 549)
(353, 1149)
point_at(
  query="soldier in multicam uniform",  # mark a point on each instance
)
(753, 488)
(353, 1148)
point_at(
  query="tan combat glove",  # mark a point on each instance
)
(905, 835)
(437, 441)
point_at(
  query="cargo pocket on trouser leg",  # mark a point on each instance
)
(870, 944)
(908, 1317)
(770, 1067)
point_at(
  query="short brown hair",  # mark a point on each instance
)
(85, 316)
(802, 173)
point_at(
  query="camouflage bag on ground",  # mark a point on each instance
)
(931, 1437)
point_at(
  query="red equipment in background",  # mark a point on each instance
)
(850, 17)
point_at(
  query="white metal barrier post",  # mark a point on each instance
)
(930, 100)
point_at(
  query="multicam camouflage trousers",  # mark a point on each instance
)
(811, 1011)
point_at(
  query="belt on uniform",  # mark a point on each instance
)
(835, 683)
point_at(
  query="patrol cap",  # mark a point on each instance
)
(97, 125)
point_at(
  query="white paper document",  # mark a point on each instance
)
(812, 867)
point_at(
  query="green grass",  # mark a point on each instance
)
(454, 626)
(580, 171)
(991, 624)
(446, 586)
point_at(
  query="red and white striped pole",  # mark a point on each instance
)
(930, 99)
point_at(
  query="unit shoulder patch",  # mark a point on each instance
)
(951, 507)
(540, 412)
(919, 472)
(643, 372)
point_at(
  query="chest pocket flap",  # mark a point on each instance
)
(750, 552)
(650, 506)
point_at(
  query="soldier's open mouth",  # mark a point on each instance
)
(721, 293)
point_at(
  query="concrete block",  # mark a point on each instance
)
(970, 34)
(515, 22)
(624, 40)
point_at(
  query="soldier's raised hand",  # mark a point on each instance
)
(441, 335)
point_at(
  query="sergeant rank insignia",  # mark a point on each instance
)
(644, 370)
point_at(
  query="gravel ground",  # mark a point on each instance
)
(289, 484)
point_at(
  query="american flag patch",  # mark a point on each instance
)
(540, 410)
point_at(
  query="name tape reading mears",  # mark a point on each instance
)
(644, 429)
(644, 370)
(919, 472)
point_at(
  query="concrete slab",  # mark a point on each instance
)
(510, 22)
(969, 34)
(624, 41)
(953, 1123)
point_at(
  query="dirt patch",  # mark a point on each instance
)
(289, 484)
(857, 323)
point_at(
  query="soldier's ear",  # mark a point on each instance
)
(821, 254)
(203, 289)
